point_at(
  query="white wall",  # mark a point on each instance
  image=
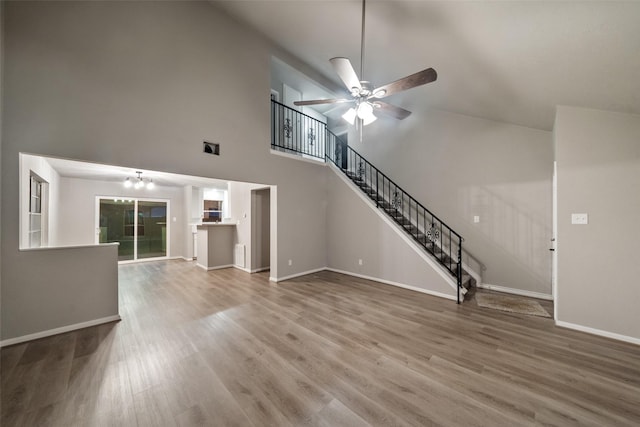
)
(41, 167)
(356, 231)
(142, 84)
(187, 223)
(460, 167)
(598, 172)
(77, 206)
(240, 197)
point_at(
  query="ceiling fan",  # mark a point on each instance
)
(365, 97)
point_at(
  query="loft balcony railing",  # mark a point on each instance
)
(289, 128)
(297, 133)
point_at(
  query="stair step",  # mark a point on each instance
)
(410, 228)
(467, 280)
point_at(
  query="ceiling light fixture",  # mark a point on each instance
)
(138, 182)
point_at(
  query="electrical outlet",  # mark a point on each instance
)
(579, 218)
(290, 262)
(359, 262)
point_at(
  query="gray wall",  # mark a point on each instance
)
(459, 167)
(357, 232)
(598, 172)
(48, 297)
(1, 114)
(142, 84)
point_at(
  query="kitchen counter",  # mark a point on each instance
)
(215, 245)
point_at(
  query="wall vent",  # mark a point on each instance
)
(238, 256)
(211, 148)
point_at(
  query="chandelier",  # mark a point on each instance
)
(139, 182)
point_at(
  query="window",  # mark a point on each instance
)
(35, 211)
(212, 211)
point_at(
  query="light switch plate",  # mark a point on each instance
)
(579, 218)
(476, 219)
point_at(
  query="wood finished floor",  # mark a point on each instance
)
(226, 348)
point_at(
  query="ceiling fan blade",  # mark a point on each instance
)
(322, 101)
(418, 79)
(391, 110)
(347, 74)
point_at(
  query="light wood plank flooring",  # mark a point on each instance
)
(226, 348)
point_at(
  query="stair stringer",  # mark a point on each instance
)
(413, 268)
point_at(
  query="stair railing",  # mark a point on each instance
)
(436, 237)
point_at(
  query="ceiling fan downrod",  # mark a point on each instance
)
(362, 42)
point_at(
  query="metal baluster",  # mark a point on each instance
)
(377, 189)
(450, 244)
(417, 219)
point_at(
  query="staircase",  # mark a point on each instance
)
(429, 241)
(432, 235)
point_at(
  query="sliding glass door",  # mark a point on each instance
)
(139, 226)
(152, 237)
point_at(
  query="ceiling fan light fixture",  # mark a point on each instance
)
(365, 110)
(350, 115)
(369, 119)
(127, 183)
(150, 185)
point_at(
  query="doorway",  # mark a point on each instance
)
(260, 230)
(139, 226)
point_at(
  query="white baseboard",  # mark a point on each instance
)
(530, 294)
(392, 283)
(255, 270)
(293, 276)
(60, 330)
(217, 267)
(599, 332)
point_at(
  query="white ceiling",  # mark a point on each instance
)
(101, 172)
(511, 61)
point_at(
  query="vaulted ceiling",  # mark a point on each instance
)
(511, 61)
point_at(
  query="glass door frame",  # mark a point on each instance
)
(135, 201)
